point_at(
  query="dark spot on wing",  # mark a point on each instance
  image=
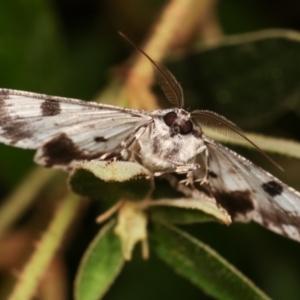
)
(235, 202)
(100, 139)
(272, 188)
(61, 150)
(50, 107)
(212, 174)
(13, 129)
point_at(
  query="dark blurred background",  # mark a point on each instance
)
(69, 48)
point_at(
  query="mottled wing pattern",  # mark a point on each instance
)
(248, 192)
(63, 130)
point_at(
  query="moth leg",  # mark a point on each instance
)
(189, 180)
(206, 161)
(122, 151)
(190, 175)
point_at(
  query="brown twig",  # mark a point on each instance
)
(46, 248)
(167, 32)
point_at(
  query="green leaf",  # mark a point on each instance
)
(101, 264)
(252, 79)
(201, 265)
(110, 181)
(188, 210)
(180, 215)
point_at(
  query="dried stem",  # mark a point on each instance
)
(165, 34)
(107, 214)
(46, 249)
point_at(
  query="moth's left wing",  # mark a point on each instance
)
(63, 130)
(248, 192)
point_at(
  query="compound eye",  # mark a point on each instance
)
(186, 128)
(170, 118)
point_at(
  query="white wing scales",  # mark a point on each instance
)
(67, 130)
(248, 192)
(64, 130)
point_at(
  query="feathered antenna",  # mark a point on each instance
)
(219, 123)
(166, 80)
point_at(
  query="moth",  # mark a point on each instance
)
(65, 131)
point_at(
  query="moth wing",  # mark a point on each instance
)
(248, 192)
(63, 129)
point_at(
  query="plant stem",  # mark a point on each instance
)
(164, 35)
(46, 248)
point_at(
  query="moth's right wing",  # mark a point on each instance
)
(64, 130)
(248, 192)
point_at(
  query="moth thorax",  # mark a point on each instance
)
(179, 122)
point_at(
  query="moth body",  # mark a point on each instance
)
(170, 142)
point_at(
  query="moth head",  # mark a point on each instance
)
(179, 122)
